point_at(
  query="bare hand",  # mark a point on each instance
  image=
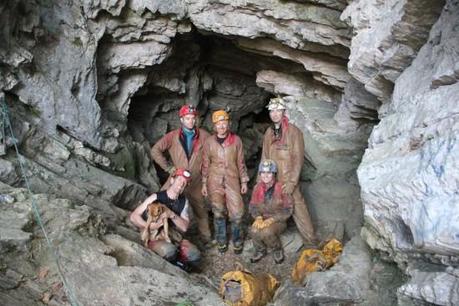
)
(244, 188)
(204, 190)
(168, 213)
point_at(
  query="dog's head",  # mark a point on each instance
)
(155, 210)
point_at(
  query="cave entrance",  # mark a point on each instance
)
(211, 73)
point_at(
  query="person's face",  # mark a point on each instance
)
(276, 115)
(267, 177)
(179, 184)
(221, 127)
(188, 121)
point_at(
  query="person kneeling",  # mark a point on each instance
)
(270, 208)
(179, 251)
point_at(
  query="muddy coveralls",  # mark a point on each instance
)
(174, 143)
(287, 150)
(270, 203)
(223, 172)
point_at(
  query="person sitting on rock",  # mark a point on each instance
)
(180, 251)
(224, 178)
(270, 207)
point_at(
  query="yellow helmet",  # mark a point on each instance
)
(219, 116)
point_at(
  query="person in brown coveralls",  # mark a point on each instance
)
(184, 146)
(224, 178)
(283, 142)
(270, 208)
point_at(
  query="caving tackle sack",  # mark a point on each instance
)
(312, 260)
(242, 288)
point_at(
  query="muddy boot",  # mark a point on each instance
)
(236, 235)
(220, 234)
(259, 254)
(278, 256)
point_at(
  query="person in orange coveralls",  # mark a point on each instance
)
(283, 142)
(184, 146)
(224, 178)
(270, 208)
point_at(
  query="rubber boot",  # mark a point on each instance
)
(220, 234)
(236, 236)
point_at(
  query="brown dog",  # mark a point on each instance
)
(154, 211)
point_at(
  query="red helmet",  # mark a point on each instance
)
(184, 173)
(188, 109)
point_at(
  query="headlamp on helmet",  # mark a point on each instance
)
(276, 104)
(267, 165)
(219, 116)
(187, 109)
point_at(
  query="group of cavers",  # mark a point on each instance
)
(213, 167)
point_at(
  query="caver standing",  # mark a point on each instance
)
(270, 208)
(180, 251)
(283, 142)
(224, 178)
(184, 146)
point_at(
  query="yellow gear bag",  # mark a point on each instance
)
(312, 260)
(242, 288)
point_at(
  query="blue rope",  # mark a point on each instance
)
(6, 119)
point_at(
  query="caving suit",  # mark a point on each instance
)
(184, 155)
(286, 148)
(270, 203)
(223, 172)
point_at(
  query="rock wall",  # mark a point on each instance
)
(92, 84)
(408, 174)
(99, 268)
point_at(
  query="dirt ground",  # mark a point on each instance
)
(214, 265)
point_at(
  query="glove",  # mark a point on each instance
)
(288, 188)
(257, 223)
(171, 170)
(268, 222)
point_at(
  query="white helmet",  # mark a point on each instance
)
(276, 104)
(267, 165)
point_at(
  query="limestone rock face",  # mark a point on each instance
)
(288, 22)
(408, 174)
(388, 35)
(99, 270)
(91, 85)
(332, 155)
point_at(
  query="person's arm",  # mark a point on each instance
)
(157, 151)
(181, 221)
(136, 215)
(205, 166)
(254, 204)
(243, 176)
(297, 157)
(283, 212)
